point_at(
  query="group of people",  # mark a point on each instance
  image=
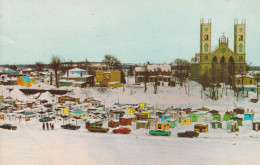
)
(48, 125)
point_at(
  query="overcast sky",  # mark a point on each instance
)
(135, 31)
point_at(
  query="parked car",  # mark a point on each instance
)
(70, 126)
(8, 126)
(160, 132)
(44, 119)
(98, 129)
(188, 134)
(123, 130)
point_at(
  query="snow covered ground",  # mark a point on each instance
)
(29, 144)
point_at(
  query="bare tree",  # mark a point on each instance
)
(112, 62)
(181, 71)
(55, 65)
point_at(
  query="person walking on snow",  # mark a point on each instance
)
(43, 126)
(47, 124)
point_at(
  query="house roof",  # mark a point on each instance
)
(10, 71)
(79, 112)
(77, 69)
(26, 79)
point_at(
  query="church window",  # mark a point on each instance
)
(206, 47)
(206, 37)
(240, 48)
(206, 57)
(240, 37)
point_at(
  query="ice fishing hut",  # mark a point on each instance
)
(256, 126)
(216, 124)
(232, 126)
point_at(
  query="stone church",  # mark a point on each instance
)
(220, 64)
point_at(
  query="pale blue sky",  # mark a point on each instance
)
(132, 30)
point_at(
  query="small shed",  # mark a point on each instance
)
(185, 120)
(194, 115)
(207, 119)
(216, 117)
(256, 126)
(24, 81)
(232, 126)
(162, 126)
(165, 117)
(146, 112)
(94, 122)
(79, 113)
(125, 121)
(249, 116)
(113, 123)
(131, 110)
(201, 127)
(142, 124)
(216, 124)
(239, 120)
(239, 110)
(172, 123)
(229, 116)
(141, 116)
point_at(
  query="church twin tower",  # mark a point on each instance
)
(222, 63)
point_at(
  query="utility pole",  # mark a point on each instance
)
(257, 89)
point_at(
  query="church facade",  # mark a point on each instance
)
(221, 64)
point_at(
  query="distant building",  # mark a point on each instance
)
(222, 63)
(108, 79)
(24, 81)
(161, 71)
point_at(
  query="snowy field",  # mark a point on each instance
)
(30, 145)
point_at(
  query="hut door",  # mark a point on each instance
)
(159, 126)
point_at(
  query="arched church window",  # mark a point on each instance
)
(240, 48)
(240, 37)
(206, 47)
(206, 37)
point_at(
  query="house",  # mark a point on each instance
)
(239, 120)
(161, 73)
(229, 115)
(256, 126)
(201, 128)
(79, 113)
(207, 119)
(216, 117)
(232, 126)
(108, 79)
(78, 71)
(246, 80)
(162, 126)
(249, 116)
(24, 81)
(77, 79)
(216, 124)
(113, 123)
(142, 124)
(185, 120)
(68, 98)
(125, 121)
(239, 110)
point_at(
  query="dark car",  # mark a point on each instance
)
(122, 130)
(188, 134)
(98, 129)
(70, 126)
(8, 126)
(44, 119)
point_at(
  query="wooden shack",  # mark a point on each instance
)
(125, 121)
(142, 124)
(113, 123)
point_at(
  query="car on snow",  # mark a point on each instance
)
(70, 126)
(160, 132)
(45, 119)
(188, 134)
(123, 130)
(98, 129)
(8, 126)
